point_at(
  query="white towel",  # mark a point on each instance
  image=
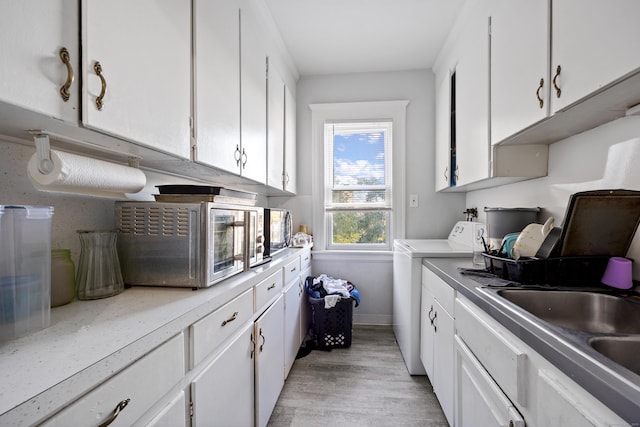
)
(330, 301)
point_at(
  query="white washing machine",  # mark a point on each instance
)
(407, 286)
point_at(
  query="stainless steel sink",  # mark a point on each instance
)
(622, 350)
(590, 312)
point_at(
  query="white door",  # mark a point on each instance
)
(269, 361)
(223, 394)
(217, 83)
(291, 324)
(275, 141)
(253, 98)
(443, 131)
(136, 71)
(290, 162)
(519, 66)
(472, 100)
(427, 334)
(32, 34)
(594, 43)
(443, 360)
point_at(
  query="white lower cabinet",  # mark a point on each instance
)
(292, 323)
(134, 390)
(500, 380)
(479, 400)
(436, 338)
(223, 394)
(269, 360)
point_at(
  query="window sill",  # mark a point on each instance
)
(352, 255)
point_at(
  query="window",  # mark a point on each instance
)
(358, 177)
(357, 173)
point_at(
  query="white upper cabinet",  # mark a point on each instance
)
(136, 71)
(253, 97)
(290, 174)
(472, 99)
(519, 65)
(443, 130)
(32, 72)
(275, 142)
(217, 83)
(594, 43)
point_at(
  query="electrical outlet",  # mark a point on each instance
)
(413, 200)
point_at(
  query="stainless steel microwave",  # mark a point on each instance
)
(187, 244)
(278, 230)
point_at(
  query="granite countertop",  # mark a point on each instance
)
(614, 386)
(88, 341)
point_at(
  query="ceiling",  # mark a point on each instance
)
(348, 36)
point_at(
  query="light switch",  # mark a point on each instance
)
(413, 200)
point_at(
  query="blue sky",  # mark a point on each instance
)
(358, 155)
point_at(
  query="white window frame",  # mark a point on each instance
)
(395, 111)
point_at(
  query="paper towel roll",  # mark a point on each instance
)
(83, 175)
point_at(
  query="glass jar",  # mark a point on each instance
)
(63, 282)
(99, 273)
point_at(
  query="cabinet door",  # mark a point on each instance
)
(144, 51)
(427, 334)
(479, 401)
(305, 309)
(290, 162)
(292, 324)
(443, 130)
(217, 83)
(275, 142)
(443, 360)
(269, 360)
(519, 61)
(223, 394)
(472, 100)
(32, 33)
(253, 97)
(593, 43)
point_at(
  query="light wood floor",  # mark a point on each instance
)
(366, 384)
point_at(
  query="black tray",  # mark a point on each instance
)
(580, 271)
(204, 189)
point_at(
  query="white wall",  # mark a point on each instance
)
(436, 214)
(606, 157)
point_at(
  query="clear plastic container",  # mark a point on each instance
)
(25, 269)
(99, 273)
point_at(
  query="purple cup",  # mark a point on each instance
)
(618, 273)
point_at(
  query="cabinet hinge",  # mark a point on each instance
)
(190, 409)
(194, 152)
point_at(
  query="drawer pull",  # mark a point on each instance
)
(236, 155)
(540, 101)
(293, 269)
(555, 86)
(98, 69)
(66, 60)
(231, 319)
(119, 407)
(263, 340)
(273, 285)
(253, 345)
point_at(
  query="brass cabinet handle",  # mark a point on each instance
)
(236, 155)
(98, 69)
(273, 285)
(455, 175)
(253, 345)
(231, 319)
(263, 340)
(119, 407)
(66, 60)
(540, 100)
(446, 174)
(555, 86)
(244, 159)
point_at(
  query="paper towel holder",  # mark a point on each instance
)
(45, 164)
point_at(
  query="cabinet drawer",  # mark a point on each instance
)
(268, 289)
(209, 332)
(144, 383)
(292, 269)
(305, 260)
(494, 348)
(440, 290)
